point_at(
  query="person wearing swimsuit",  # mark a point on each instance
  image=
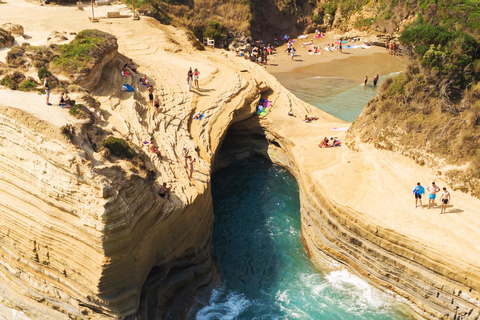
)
(445, 200)
(196, 73)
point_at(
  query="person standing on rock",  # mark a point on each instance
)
(191, 162)
(445, 200)
(418, 191)
(433, 189)
(186, 152)
(189, 79)
(150, 95)
(46, 86)
(196, 75)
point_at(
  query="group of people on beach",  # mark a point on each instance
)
(433, 189)
(192, 77)
(333, 142)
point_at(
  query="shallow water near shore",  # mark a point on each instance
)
(266, 273)
(341, 97)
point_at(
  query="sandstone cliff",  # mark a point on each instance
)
(85, 235)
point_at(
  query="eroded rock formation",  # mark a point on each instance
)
(85, 235)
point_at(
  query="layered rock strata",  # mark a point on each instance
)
(86, 236)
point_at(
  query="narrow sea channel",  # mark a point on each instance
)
(266, 273)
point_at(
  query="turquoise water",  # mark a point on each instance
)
(342, 98)
(266, 273)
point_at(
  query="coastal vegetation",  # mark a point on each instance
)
(84, 51)
(431, 111)
(6, 38)
(119, 147)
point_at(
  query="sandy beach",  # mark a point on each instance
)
(352, 64)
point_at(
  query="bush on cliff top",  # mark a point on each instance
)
(5, 37)
(87, 48)
(119, 147)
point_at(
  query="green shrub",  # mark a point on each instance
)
(317, 18)
(42, 72)
(87, 46)
(27, 85)
(79, 111)
(7, 82)
(215, 30)
(364, 23)
(119, 147)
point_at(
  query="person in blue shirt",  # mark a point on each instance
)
(418, 191)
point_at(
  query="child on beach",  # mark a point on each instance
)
(445, 200)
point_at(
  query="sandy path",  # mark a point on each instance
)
(35, 104)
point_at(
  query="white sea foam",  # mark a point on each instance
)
(362, 296)
(228, 309)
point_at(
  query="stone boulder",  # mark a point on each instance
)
(6, 38)
(15, 29)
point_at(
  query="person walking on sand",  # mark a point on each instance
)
(365, 81)
(196, 74)
(375, 80)
(445, 200)
(433, 189)
(292, 53)
(46, 86)
(340, 47)
(418, 191)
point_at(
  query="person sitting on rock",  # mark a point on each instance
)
(132, 65)
(154, 149)
(144, 80)
(164, 191)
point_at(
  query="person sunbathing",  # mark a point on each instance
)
(309, 119)
(144, 80)
(324, 143)
(154, 149)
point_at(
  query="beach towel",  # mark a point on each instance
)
(127, 87)
(143, 83)
(308, 44)
(303, 36)
(340, 129)
(317, 36)
(262, 108)
(202, 114)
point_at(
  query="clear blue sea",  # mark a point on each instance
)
(266, 273)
